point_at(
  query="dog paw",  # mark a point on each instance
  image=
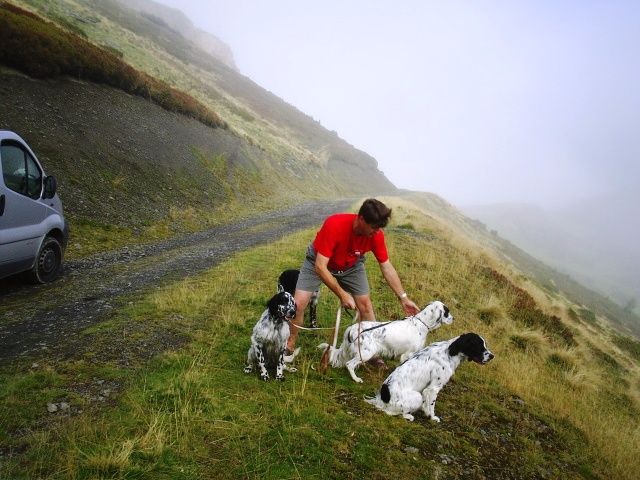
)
(292, 369)
(280, 378)
(264, 377)
(435, 419)
(248, 369)
(358, 380)
(408, 416)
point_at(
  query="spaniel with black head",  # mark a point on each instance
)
(415, 384)
(269, 338)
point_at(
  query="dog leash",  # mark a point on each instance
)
(353, 317)
(308, 328)
(360, 332)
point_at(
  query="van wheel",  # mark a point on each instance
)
(48, 262)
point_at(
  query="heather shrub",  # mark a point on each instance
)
(628, 344)
(525, 310)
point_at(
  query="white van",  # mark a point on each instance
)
(33, 231)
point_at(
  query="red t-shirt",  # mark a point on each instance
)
(337, 241)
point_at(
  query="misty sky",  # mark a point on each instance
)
(478, 101)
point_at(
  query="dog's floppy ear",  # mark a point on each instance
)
(470, 344)
(272, 304)
(461, 345)
(288, 280)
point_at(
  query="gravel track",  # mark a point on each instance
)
(36, 320)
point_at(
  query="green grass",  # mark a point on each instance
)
(587, 315)
(193, 413)
(629, 345)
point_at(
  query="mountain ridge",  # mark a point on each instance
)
(176, 19)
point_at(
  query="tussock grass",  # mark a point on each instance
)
(193, 413)
(561, 362)
(530, 341)
(587, 315)
(490, 314)
(629, 345)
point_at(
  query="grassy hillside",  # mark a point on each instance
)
(178, 21)
(554, 284)
(131, 171)
(560, 400)
(594, 240)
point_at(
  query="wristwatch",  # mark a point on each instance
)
(403, 295)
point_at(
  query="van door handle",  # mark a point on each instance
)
(1, 205)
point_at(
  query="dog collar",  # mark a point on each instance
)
(425, 325)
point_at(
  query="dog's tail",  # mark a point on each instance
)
(381, 399)
(375, 401)
(335, 357)
(291, 358)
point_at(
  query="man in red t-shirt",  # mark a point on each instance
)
(336, 258)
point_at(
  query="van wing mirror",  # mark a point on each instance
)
(50, 186)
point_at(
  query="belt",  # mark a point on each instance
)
(340, 272)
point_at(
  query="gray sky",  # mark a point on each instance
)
(478, 101)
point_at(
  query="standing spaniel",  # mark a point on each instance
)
(397, 339)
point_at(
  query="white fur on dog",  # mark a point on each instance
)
(269, 338)
(400, 338)
(415, 384)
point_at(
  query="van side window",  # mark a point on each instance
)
(20, 171)
(34, 178)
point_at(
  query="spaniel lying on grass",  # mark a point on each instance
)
(415, 384)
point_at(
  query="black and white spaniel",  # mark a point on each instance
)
(269, 338)
(287, 283)
(416, 382)
(400, 338)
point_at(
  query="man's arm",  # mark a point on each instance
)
(391, 276)
(322, 269)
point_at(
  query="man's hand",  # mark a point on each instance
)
(321, 265)
(410, 308)
(348, 301)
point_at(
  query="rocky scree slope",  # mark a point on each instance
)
(124, 161)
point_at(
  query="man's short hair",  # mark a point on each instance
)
(375, 213)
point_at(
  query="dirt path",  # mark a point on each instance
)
(38, 320)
